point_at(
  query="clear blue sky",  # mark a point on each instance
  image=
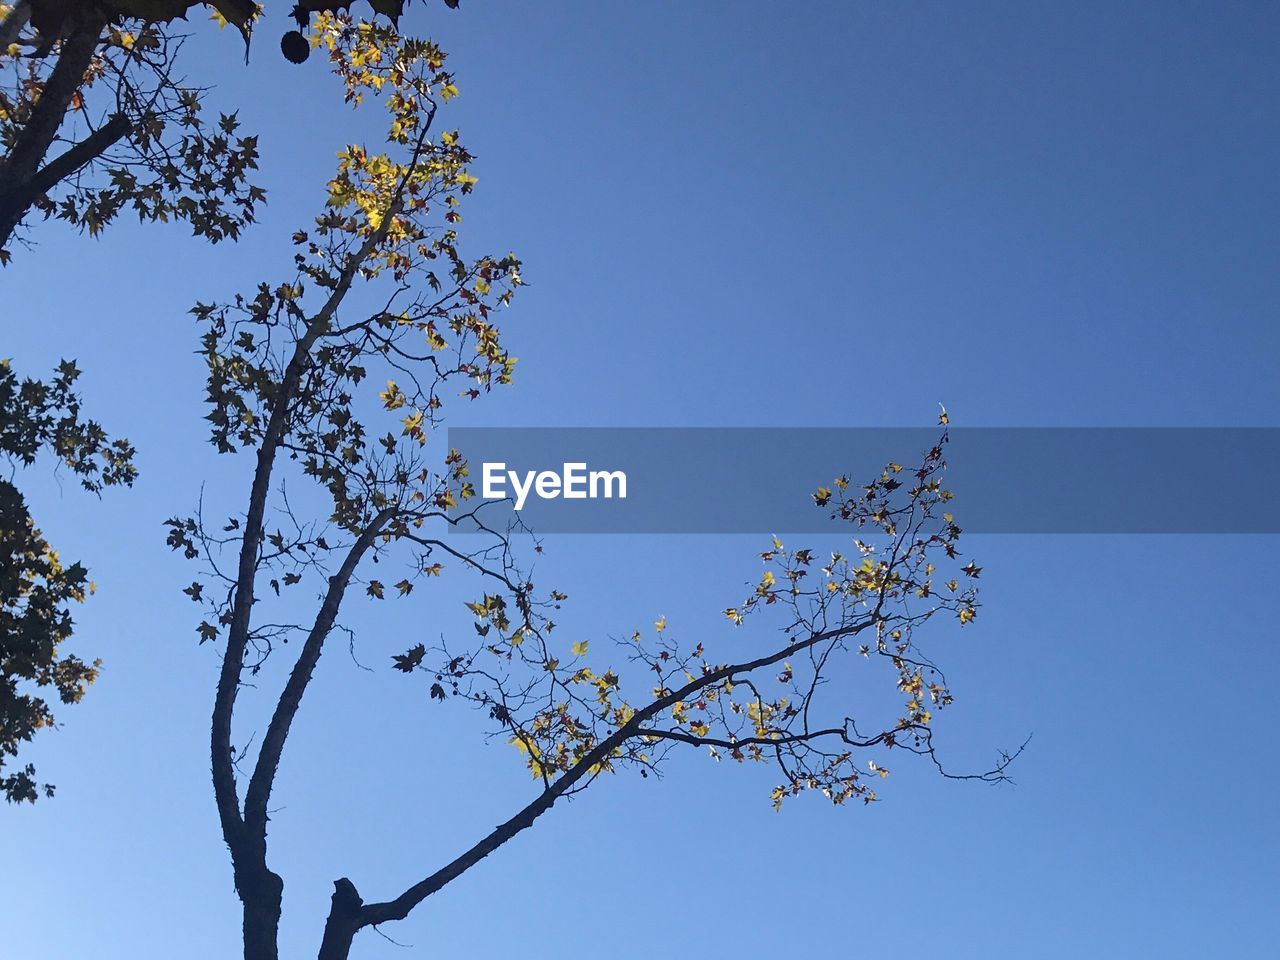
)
(743, 214)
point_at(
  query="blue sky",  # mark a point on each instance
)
(829, 214)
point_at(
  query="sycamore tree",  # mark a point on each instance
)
(334, 381)
(97, 121)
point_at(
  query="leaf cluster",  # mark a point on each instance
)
(36, 586)
(134, 138)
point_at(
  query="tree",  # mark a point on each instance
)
(94, 122)
(124, 135)
(95, 84)
(35, 585)
(382, 296)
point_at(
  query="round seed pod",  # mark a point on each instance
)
(295, 47)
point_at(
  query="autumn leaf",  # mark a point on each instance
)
(411, 660)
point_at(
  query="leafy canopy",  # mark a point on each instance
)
(36, 585)
(100, 125)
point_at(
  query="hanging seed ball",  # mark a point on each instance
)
(295, 47)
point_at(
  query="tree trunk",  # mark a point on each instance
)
(261, 897)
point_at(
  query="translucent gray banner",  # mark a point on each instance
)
(749, 480)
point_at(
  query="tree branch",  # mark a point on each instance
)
(76, 157)
(263, 778)
(11, 26)
(224, 782)
(19, 166)
(696, 741)
(400, 907)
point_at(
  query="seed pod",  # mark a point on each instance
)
(295, 47)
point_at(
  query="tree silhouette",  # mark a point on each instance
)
(297, 372)
(94, 123)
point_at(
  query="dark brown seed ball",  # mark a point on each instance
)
(295, 47)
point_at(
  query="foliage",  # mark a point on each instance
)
(127, 135)
(94, 124)
(52, 15)
(35, 416)
(95, 85)
(290, 368)
(55, 18)
(36, 587)
(570, 720)
(340, 375)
